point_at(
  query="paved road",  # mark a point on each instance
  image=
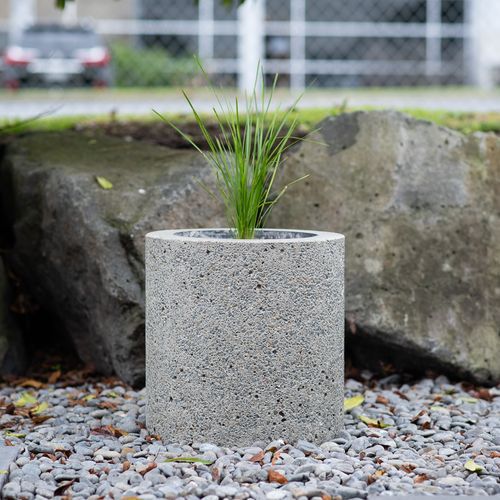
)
(70, 103)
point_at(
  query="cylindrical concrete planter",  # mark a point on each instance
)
(244, 338)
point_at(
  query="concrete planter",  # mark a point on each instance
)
(244, 338)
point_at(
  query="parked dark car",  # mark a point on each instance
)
(53, 54)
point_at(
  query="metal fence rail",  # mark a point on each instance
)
(309, 42)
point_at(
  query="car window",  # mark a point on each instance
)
(59, 40)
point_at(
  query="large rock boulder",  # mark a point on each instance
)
(420, 208)
(79, 248)
(11, 343)
(419, 204)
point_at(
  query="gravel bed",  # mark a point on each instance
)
(89, 441)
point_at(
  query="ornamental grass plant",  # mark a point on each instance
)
(247, 154)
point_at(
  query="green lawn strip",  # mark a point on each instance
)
(308, 117)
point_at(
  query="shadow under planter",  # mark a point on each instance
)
(244, 338)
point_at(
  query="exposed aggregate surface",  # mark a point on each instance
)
(436, 438)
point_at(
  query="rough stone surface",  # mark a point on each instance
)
(244, 338)
(79, 249)
(420, 208)
(419, 205)
(11, 346)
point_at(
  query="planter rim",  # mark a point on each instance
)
(217, 235)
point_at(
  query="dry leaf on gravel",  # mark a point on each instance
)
(25, 399)
(382, 400)
(215, 474)
(350, 403)
(276, 477)
(109, 429)
(148, 468)
(421, 478)
(257, 457)
(54, 377)
(471, 466)
(373, 422)
(30, 382)
(276, 457)
(63, 487)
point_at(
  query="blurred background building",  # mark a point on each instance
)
(323, 43)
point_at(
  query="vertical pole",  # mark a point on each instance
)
(298, 44)
(470, 56)
(433, 38)
(22, 14)
(484, 31)
(250, 42)
(206, 32)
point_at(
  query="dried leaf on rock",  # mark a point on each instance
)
(407, 468)
(402, 395)
(276, 457)
(26, 399)
(107, 405)
(148, 468)
(276, 477)
(63, 487)
(471, 466)
(54, 377)
(190, 460)
(381, 400)
(30, 382)
(215, 474)
(468, 400)
(257, 457)
(373, 422)
(103, 182)
(439, 408)
(40, 419)
(350, 403)
(421, 478)
(40, 408)
(109, 429)
(421, 413)
(18, 435)
(484, 394)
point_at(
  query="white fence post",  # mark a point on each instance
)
(250, 42)
(22, 14)
(484, 41)
(433, 38)
(206, 32)
(298, 44)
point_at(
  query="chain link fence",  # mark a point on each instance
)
(319, 43)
